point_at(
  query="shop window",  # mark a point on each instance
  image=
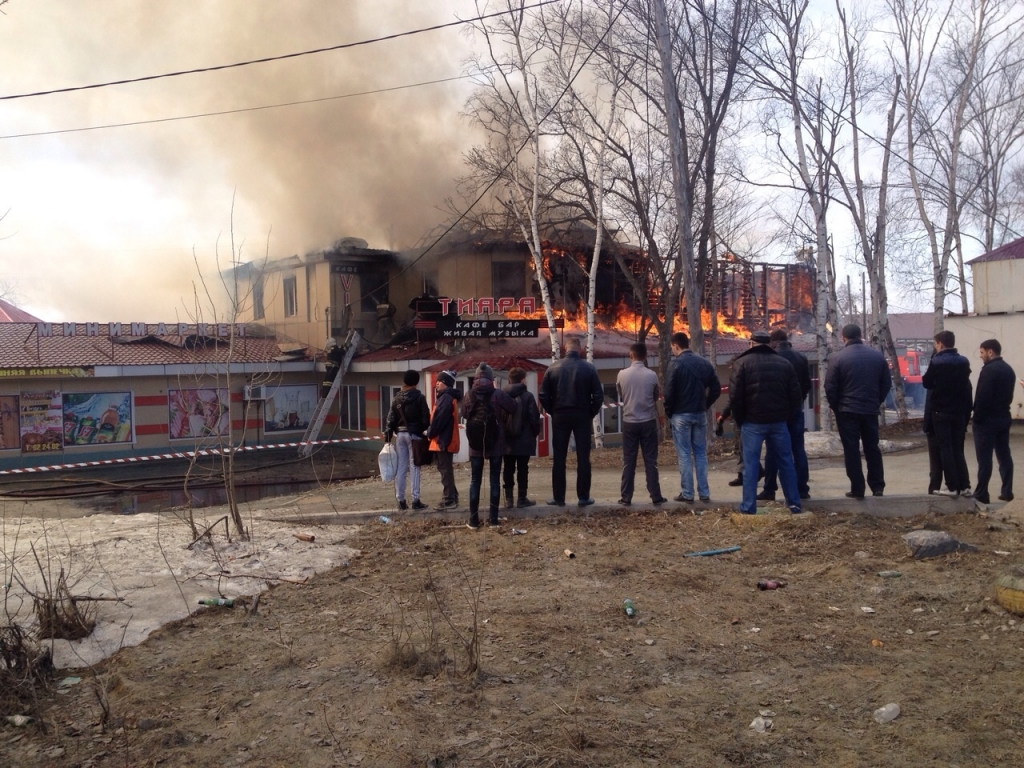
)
(291, 299)
(353, 408)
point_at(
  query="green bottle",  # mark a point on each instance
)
(628, 607)
(224, 602)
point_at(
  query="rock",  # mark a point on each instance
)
(761, 724)
(925, 544)
(887, 714)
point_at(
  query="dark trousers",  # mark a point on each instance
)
(516, 472)
(642, 436)
(856, 429)
(989, 438)
(803, 474)
(446, 468)
(562, 426)
(946, 453)
(476, 475)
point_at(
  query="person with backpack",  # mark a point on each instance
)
(407, 420)
(443, 434)
(487, 409)
(521, 436)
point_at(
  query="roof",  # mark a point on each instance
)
(23, 347)
(11, 314)
(910, 326)
(1007, 252)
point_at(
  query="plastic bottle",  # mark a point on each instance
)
(628, 607)
(385, 519)
(223, 602)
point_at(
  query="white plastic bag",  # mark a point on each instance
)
(387, 460)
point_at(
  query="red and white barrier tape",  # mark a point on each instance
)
(181, 455)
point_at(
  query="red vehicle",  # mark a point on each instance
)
(912, 367)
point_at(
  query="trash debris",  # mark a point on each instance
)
(876, 643)
(765, 713)
(67, 682)
(887, 714)
(712, 552)
(761, 724)
(518, 532)
(304, 536)
(222, 602)
(924, 544)
(764, 584)
(569, 553)
(1002, 552)
(866, 609)
(385, 519)
(19, 720)
(628, 607)
(890, 574)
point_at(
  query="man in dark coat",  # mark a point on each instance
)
(522, 446)
(781, 344)
(992, 400)
(407, 420)
(443, 434)
(764, 394)
(691, 388)
(571, 392)
(947, 410)
(487, 405)
(856, 384)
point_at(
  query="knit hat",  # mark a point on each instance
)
(447, 378)
(760, 337)
(485, 371)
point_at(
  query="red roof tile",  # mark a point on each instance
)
(21, 346)
(11, 314)
(1012, 250)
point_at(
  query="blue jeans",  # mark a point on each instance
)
(776, 435)
(796, 439)
(689, 433)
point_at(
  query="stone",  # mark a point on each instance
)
(925, 544)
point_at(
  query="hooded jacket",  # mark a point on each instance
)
(443, 432)
(526, 443)
(483, 391)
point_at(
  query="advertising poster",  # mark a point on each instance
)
(92, 418)
(289, 408)
(198, 413)
(10, 435)
(41, 421)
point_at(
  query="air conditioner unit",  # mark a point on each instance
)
(254, 392)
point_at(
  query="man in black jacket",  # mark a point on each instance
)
(764, 394)
(856, 384)
(571, 392)
(781, 344)
(522, 446)
(992, 399)
(407, 420)
(947, 409)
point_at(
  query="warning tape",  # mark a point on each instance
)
(182, 455)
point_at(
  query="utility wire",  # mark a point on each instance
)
(267, 59)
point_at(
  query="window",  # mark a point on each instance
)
(373, 287)
(257, 299)
(353, 412)
(508, 278)
(290, 297)
(387, 395)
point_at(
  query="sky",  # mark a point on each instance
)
(123, 223)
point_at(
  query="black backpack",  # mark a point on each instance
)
(516, 420)
(481, 423)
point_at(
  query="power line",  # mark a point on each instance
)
(240, 110)
(282, 57)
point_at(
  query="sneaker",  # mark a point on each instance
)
(680, 497)
(982, 499)
(766, 496)
(948, 494)
(1006, 497)
(659, 500)
(473, 527)
(877, 493)
(523, 503)
(495, 523)
(509, 504)
(555, 503)
(585, 502)
(965, 493)
(446, 504)
(403, 505)
(857, 496)
(705, 498)
(417, 504)
(625, 502)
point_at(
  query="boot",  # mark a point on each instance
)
(738, 481)
(493, 520)
(508, 498)
(524, 502)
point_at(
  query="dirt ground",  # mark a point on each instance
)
(439, 646)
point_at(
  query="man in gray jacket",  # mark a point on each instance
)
(638, 391)
(856, 384)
